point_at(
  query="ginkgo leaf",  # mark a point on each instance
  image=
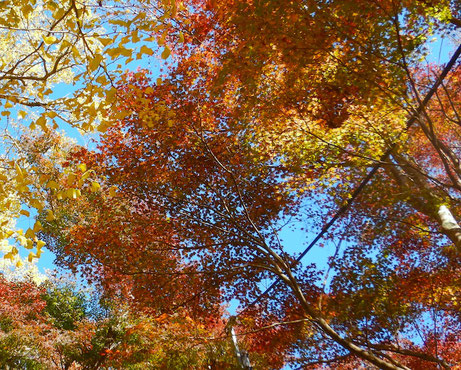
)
(119, 51)
(95, 186)
(37, 226)
(41, 122)
(146, 50)
(119, 22)
(105, 40)
(18, 170)
(166, 52)
(71, 178)
(9, 256)
(52, 184)
(49, 39)
(35, 203)
(72, 193)
(30, 233)
(50, 215)
(58, 13)
(95, 62)
(29, 244)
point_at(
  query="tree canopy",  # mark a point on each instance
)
(260, 116)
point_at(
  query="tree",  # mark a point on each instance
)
(20, 313)
(251, 127)
(36, 331)
(82, 45)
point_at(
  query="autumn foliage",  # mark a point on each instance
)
(268, 115)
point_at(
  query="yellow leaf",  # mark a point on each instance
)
(50, 215)
(42, 123)
(119, 22)
(22, 188)
(52, 184)
(105, 41)
(102, 80)
(75, 52)
(8, 256)
(29, 233)
(49, 39)
(71, 178)
(43, 178)
(166, 52)
(116, 52)
(146, 50)
(19, 264)
(64, 45)
(29, 244)
(30, 257)
(95, 62)
(24, 212)
(135, 37)
(72, 193)
(95, 186)
(103, 127)
(18, 170)
(37, 226)
(35, 203)
(113, 191)
(82, 167)
(40, 244)
(111, 95)
(58, 13)
(22, 240)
